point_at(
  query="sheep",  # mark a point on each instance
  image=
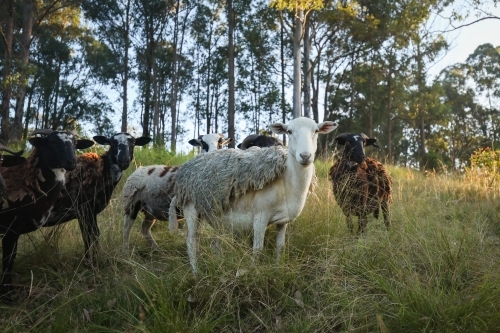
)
(8, 161)
(361, 185)
(150, 189)
(32, 189)
(89, 187)
(250, 189)
(209, 142)
(255, 140)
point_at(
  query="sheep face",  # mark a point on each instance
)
(58, 149)
(354, 146)
(210, 142)
(303, 137)
(121, 148)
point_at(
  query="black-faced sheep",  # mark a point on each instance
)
(32, 189)
(262, 141)
(250, 189)
(8, 161)
(150, 189)
(361, 185)
(90, 186)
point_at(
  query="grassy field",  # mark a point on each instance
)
(436, 270)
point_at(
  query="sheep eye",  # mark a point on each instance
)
(289, 132)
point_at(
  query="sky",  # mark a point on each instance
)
(465, 40)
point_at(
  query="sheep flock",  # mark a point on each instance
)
(262, 183)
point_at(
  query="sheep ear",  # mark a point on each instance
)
(84, 143)
(12, 160)
(102, 140)
(143, 140)
(341, 138)
(372, 142)
(37, 141)
(238, 146)
(278, 128)
(327, 127)
(195, 143)
(227, 141)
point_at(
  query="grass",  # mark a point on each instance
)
(436, 270)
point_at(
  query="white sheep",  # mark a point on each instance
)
(150, 189)
(251, 189)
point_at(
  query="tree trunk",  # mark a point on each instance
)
(8, 18)
(230, 108)
(297, 60)
(174, 91)
(126, 70)
(307, 70)
(282, 58)
(389, 117)
(25, 44)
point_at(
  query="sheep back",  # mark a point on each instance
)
(212, 180)
(22, 181)
(150, 188)
(359, 190)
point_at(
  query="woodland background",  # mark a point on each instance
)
(184, 68)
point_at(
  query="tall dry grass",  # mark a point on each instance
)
(436, 270)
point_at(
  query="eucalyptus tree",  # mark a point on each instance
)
(22, 23)
(209, 49)
(111, 21)
(301, 10)
(150, 20)
(257, 79)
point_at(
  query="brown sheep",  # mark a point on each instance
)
(32, 189)
(361, 185)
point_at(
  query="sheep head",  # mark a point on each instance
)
(303, 137)
(121, 147)
(57, 148)
(210, 142)
(354, 146)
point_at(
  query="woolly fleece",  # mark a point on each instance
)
(210, 181)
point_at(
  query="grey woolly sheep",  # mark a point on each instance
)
(150, 189)
(250, 189)
(361, 185)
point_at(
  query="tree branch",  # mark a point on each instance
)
(471, 23)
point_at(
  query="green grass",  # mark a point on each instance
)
(436, 270)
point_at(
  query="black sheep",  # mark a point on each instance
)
(361, 185)
(90, 185)
(32, 189)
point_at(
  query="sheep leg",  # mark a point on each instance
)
(9, 252)
(147, 224)
(362, 222)
(280, 240)
(128, 222)
(259, 231)
(191, 215)
(350, 225)
(90, 233)
(387, 216)
(173, 224)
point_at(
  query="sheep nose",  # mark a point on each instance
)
(70, 165)
(305, 158)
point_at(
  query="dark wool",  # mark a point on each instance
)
(360, 190)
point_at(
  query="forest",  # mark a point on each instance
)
(183, 68)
